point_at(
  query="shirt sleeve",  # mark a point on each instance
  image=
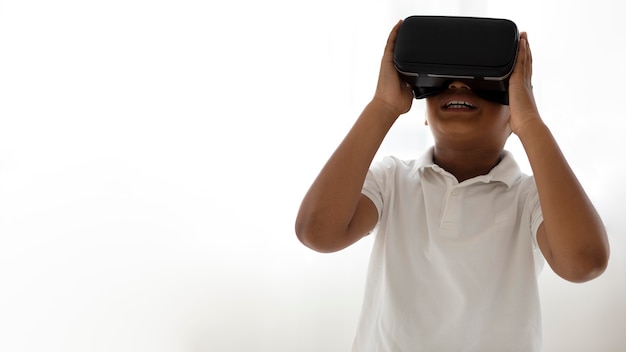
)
(536, 219)
(371, 189)
(376, 181)
(536, 215)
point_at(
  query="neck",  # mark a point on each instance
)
(465, 163)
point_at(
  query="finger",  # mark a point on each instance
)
(527, 58)
(391, 40)
(523, 35)
(530, 56)
(521, 59)
(524, 57)
(522, 47)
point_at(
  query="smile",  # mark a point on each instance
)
(459, 104)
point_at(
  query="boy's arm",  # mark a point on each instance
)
(334, 214)
(572, 236)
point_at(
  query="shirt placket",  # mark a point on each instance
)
(450, 220)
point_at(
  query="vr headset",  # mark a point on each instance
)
(432, 51)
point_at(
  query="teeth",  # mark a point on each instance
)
(459, 104)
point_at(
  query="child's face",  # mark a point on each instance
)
(457, 115)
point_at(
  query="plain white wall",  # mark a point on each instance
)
(153, 155)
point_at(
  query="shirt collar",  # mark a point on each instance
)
(507, 171)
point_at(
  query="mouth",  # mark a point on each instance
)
(459, 104)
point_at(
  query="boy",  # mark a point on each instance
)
(461, 233)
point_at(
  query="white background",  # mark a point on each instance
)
(153, 155)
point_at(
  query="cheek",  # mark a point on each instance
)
(503, 116)
(500, 112)
(431, 108)
(505, 112)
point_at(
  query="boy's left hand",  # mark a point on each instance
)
(521, 99)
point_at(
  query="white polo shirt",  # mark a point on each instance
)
(454, 266)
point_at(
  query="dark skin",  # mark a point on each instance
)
(468, 142)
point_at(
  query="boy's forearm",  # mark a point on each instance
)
(574, 231)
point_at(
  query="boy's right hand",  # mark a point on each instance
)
(391, 90)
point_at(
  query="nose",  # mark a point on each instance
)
(458, 85)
